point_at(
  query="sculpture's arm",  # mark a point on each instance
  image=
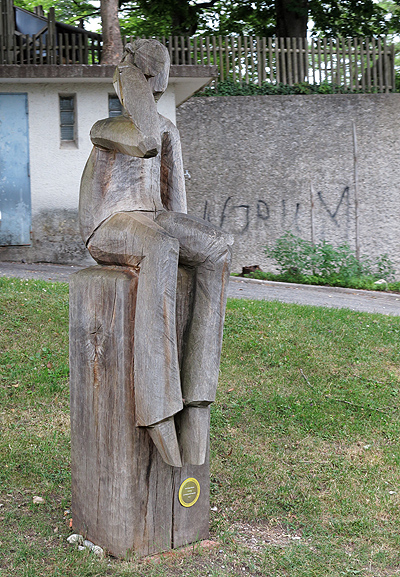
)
(121, 135)
(172, 185)
(137, 132)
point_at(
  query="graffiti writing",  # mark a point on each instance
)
(287, 215)
(228, 209)
(262, 210)
(333, 215)
(238, 217)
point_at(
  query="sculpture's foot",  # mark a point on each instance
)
(195, 426)
(164, 437)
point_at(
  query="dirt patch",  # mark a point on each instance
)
(395, 369)
(182, 552)
(257, 537)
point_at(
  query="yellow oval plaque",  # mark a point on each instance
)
(189, 492)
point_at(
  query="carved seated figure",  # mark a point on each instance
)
(133, 213)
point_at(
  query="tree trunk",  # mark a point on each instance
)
(112, 41)
(291, 22)
(291, 18)
(184, 23)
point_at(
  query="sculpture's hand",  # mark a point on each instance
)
(121, 134)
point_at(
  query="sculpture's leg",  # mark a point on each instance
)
(208, 249)
(132, 239)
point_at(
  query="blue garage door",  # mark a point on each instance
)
(15, 193)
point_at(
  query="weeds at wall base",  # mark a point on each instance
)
(304, 262)
(236, 88)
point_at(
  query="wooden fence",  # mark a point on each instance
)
(51, 48)
(356, 64)
(54, 43)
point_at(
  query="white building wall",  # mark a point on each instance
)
(55, 166)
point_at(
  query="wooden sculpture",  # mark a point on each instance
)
(133, 219)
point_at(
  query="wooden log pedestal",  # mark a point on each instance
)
(124, 497)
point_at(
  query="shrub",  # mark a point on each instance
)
(230, 88)
(300, 260)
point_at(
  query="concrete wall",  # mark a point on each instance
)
(253, 159)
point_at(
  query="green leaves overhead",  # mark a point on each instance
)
(354, 17)
(246, 17)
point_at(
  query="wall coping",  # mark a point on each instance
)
(95, 72)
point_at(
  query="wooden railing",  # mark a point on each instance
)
(51, 48)
(56, 43)
(356, 64)
(6, 18)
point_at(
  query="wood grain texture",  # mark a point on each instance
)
(124, 497)
(115, 182)
(194, 430)
(152, 58)
(184, 291)
(136, 97)
(121, 135)
(132, 237)
(191, 524)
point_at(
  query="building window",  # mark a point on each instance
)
(67, 118)
(114, 106)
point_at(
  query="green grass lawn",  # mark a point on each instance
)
(305, 454)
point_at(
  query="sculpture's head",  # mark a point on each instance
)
(152, 58)
(139, 80)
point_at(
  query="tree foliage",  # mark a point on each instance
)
(350, 18)
(67, 11)
(261, 17)
(328, 18)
